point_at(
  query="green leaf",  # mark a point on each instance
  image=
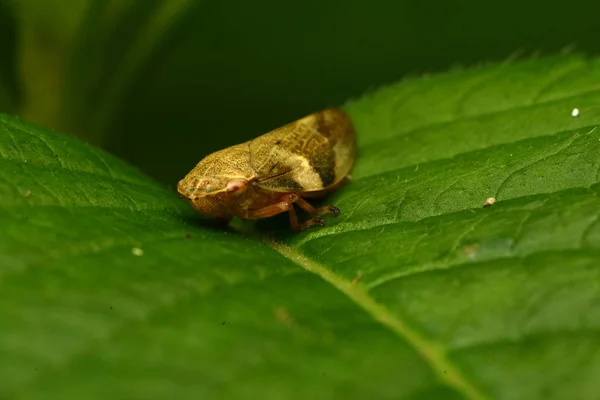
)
(113, 287)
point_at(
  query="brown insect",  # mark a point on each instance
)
(266, 176)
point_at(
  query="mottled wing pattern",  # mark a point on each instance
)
(311, 154)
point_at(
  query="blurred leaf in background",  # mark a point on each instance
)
(8, 73)
(164, 82)
(77, 58)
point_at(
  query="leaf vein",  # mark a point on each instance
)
(567, 72)
(109, 174)
(432, 352)
(436, 266)
(419, 130)
(460, 102)
(565, 146)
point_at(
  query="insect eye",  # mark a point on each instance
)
(207, 186)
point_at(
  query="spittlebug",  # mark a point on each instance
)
(266, 176)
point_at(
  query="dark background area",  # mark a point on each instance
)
(226, 71)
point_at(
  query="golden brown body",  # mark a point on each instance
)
(266, 176)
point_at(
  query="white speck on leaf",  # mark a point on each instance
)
(136, 251)
(489, 201)
(575, 112)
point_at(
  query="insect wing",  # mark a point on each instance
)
(310, 154)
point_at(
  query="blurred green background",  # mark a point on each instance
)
(161, 83)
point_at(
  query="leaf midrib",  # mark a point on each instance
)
(432, 352)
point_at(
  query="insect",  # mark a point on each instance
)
(266, 176)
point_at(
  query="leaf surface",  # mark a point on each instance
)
(112, 286)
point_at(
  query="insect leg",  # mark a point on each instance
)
(314, 221)
(294, 219)
(287, 204)
(270, 210)
(318, 210)
(300, 227)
